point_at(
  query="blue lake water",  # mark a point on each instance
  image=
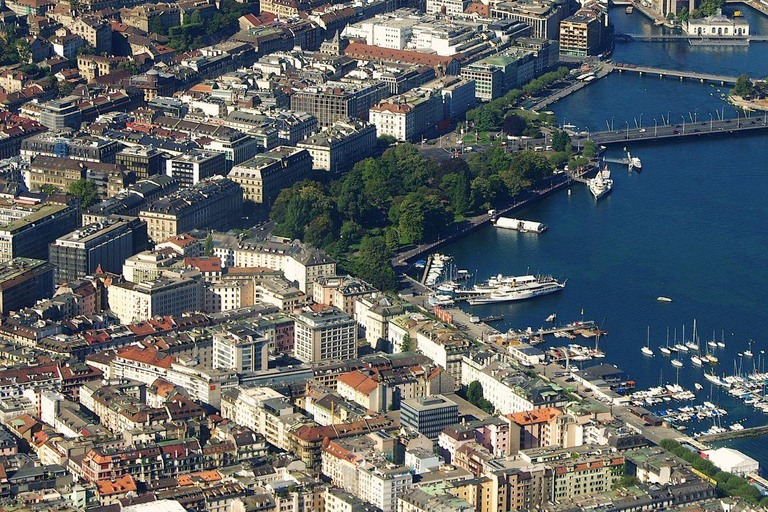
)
(692, 226)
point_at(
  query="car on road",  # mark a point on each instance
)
(675, 132)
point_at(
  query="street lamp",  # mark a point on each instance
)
(627, 129)
(738, 118)
(711, 120)
(696, 115)
(683, 117)
(641, 120)
(669, 112)
(612, 122)
(655, 126)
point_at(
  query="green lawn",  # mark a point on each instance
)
(482, 138)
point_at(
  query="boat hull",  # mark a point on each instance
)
(513, 297)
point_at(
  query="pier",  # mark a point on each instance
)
(734, 434)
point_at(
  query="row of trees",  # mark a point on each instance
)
(492, 115)
(729, 483)
(399, 199)
(706, 8)
(475, 397)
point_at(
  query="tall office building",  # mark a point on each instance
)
(429, 415)
(323, 335)
(240, 348)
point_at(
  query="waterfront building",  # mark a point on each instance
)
(137, 302)
(323, 335)
(191, 168)
(408, 116)
(429, 415)
(212, 203)
(341, 146)
(105, 244)
(265, 175)
(496, 75)
(23, 282)
(717, 25)
(585, 33)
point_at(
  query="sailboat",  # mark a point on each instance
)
(693, 344)
(665, 350)
(749, 353)
(696, 360)
(698, 386)
(677, 363)
(721, 344)
(646, 350)
(713, 342)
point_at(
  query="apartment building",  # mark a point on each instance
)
(241, 349)
(141, 162)
(341, 145)
(340, 292)
(373, 314)
(265, 175)
(211, 203)
(323, 335)
(408, 116)
(136, 302)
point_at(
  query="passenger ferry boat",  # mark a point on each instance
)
(508, 289)
(601, 184)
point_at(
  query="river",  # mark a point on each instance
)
(691, 226)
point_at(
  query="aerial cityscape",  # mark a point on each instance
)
(383, 255)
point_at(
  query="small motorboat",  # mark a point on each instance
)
(552, 317)
(663, 299)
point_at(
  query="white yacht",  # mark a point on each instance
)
(601, 184)
(519, 290)
(677, 363)
(666, 351)
(636, 163)
(696, 360)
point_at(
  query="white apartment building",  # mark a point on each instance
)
(445, 347)
(407, 116)
(147, 365)
(225, 296)
(240, 349)
(324, 335)
(373, 315)
(299, 263)
(136, 302)
(263, 410)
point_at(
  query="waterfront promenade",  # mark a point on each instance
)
(545, 188)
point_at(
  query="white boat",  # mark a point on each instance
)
(693, 346)
(748, 352)
(541, 285)
(665, 350)
(601, 184)
(711, 377)
(663, 299)
(646, 350)
(698, 386)
(524, 226)
(712, 343)
(636, 163)
(681, 348)
(720, 344)
(552, 317)
(677, 363)
(696, 360)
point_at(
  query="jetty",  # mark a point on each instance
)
(733, 434)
